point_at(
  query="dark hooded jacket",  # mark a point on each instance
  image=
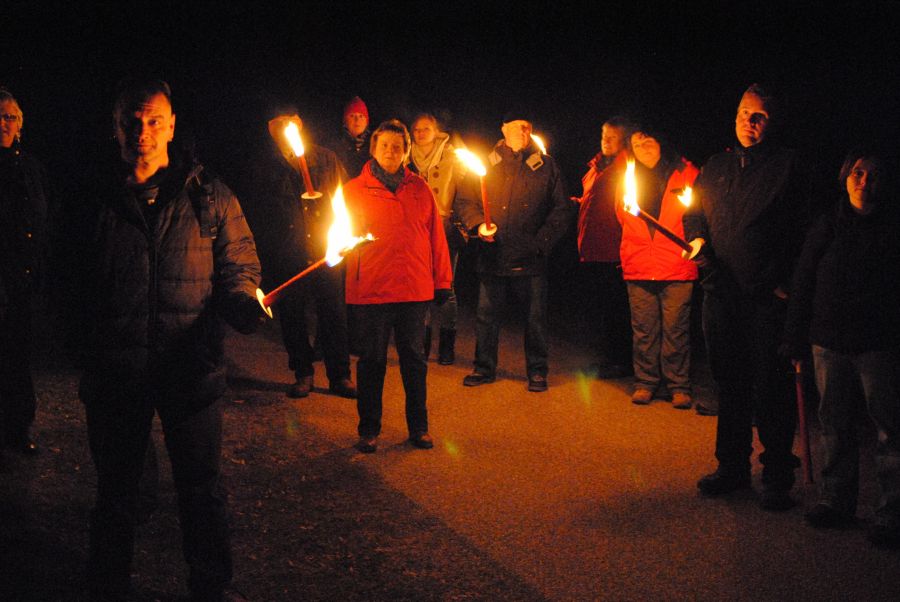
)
(529, 206)
(154, 291)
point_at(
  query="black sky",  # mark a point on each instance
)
(680, 68)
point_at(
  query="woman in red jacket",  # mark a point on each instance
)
(660, 283)
(391, 281)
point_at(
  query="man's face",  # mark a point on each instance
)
(862, 182)
(752, 120)
(144, 130)
(10, 123)
(612, 140)
(645, 149)
(356, 123)
(389, 151)
(517, 134)
(424, 132)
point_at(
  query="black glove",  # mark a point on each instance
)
(442, 295)
(249, 316)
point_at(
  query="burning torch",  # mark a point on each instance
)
(292, 133)
(472, 162)
(632, 207)
(539, 142)
(340, 243)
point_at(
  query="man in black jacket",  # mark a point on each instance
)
(167, 257)
(531, 212)
(747, 227)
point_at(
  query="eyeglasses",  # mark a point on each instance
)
(8, 118)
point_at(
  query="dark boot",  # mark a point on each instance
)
(427, 342)
(446, 355)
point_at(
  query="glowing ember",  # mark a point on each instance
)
(630, 200)
(340, 234)
(292, 133)
(540, 143)
(471, 161)
(686, 196)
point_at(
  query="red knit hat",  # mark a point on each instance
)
(356, 105)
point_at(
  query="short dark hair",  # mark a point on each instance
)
(624, 123)
(860, 152)
(391, 125)
(133, 90)
(769, 100)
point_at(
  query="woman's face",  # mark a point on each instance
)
(390, 151)
(424, 131)
(646, 149)
(10, 123)
(861, 183)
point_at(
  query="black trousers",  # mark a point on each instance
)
(742, 336)
(324, 289)
(376, 322)
(17, 400)
(119, 419)
(608, 310)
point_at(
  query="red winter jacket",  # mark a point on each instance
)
(599, 231)
(657, 258)
(408, 260)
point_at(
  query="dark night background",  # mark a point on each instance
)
(680, 66)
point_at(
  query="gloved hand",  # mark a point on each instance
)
(442, 295)
(249, 315)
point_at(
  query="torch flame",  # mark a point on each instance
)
(340, 235)
(471, 161)
(540, 143)
(686, 196)
(292, 133)
(630, 200)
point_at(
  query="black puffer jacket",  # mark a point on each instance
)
(529, 206)
(23, 224)
(154, 296)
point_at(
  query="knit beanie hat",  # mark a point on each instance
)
(356, 105)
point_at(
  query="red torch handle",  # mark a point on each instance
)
(269, 299)
(304, 170)
(484, 204)
(665, 231)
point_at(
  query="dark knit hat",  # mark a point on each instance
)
(518, 114)
(356, 105)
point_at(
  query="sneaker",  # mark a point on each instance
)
(720, 483)
(682, 400)
(776, 500)
(343, 388)
(367, 445)
(642, 397)
(476, 379)
(301, 388)
(421, 440)
(537, 383)
(824, 516)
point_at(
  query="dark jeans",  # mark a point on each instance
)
(742, 337)
(325, 289)
(376, 322)
(608, 310)
(840, 377)
(119, 419)
(492, 306)
(17, 401)
(661, 321)
(444, 316)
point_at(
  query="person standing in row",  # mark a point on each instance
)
(660, 281)
(392, 281)
(599, 239)
(746, 227)
(530, 209)
(352, 146)
(24, 198)
(432, 157)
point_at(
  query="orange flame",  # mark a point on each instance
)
(540, 143)
(471, 161)
(686, 196)
(292, 133)
(630, 200)
(340, 235)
